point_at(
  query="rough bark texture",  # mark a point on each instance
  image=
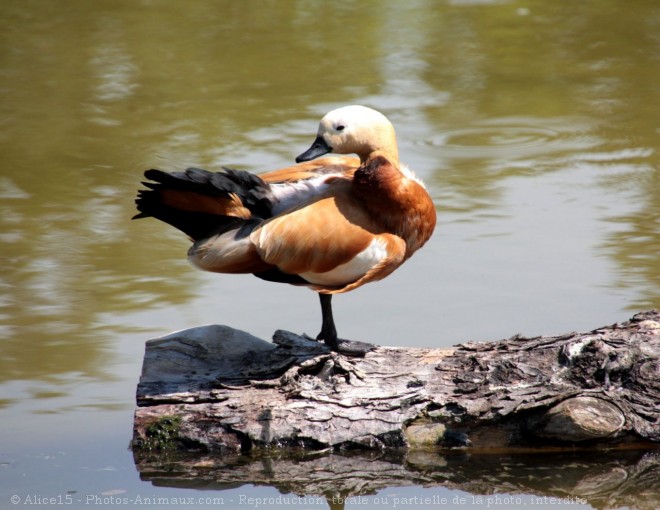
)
(221, 390)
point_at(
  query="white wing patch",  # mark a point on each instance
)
(290, 194)
(352, 270)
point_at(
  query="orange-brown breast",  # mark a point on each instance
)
(401, 204)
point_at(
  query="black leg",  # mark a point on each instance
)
(328, 331)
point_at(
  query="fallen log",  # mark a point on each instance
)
(217, 389)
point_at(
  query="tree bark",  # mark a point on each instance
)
(217, 389)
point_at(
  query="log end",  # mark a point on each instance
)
(579, 419)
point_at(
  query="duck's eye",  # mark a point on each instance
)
(340, 128)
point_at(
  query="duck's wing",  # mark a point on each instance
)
(298, 185)
(330, 242)
(318, 168)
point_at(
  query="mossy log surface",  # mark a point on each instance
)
(217, 389)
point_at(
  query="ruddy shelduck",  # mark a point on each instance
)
(331, 224)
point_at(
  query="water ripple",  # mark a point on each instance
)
(512, 138)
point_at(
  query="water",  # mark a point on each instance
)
(534, 124)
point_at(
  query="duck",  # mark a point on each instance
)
(346, 214)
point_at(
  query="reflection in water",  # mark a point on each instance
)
(636, 243)
(609, 479)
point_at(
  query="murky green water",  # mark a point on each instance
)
(535, 125)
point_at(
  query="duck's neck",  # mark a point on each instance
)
(381, 142)
(391, 154)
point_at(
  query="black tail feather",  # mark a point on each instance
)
(253, 192)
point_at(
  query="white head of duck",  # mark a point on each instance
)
(354, 129)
